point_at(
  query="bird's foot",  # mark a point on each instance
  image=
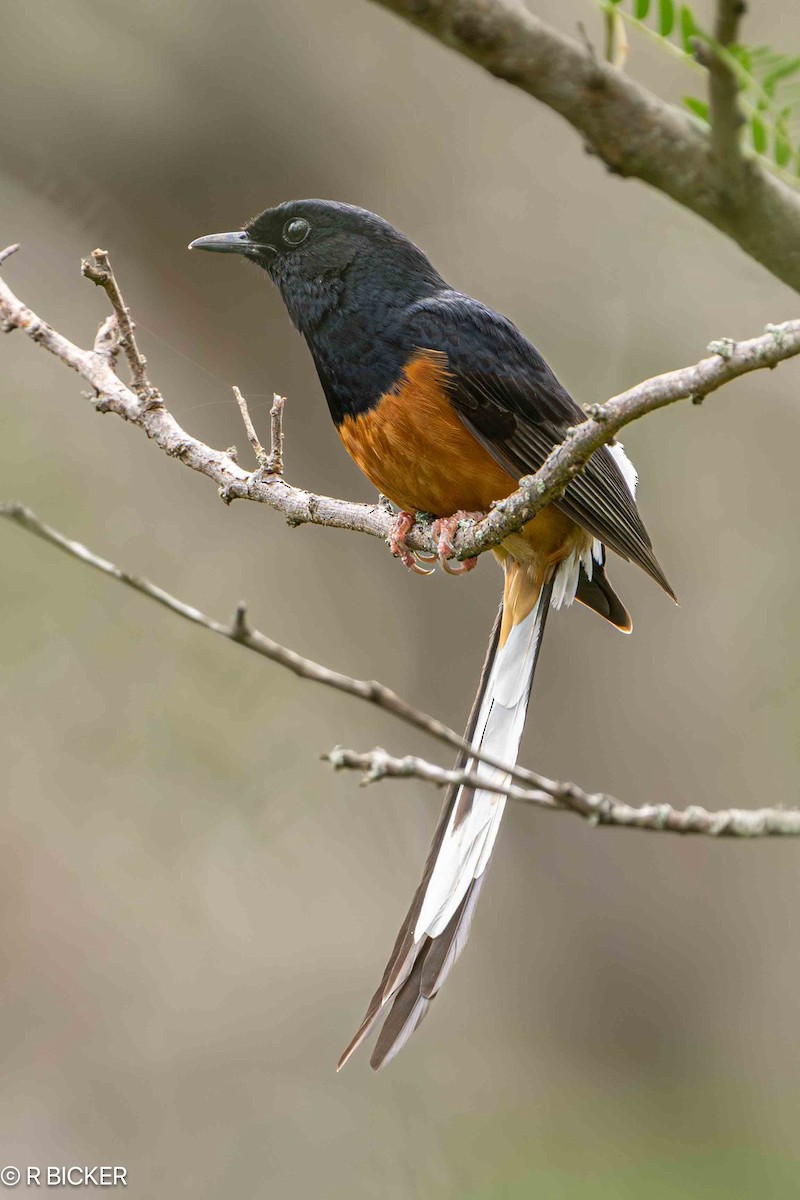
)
(397, 543)
(444, 530)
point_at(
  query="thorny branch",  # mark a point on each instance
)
(144, 406)
(377, 764)
(625, 125)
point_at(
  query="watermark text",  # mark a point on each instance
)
(63, 1176)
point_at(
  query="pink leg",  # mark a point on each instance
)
(444, 530)
(397, 542)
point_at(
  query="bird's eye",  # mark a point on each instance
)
(296, 231)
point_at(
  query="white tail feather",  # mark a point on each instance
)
(466, 846)
(629, 472)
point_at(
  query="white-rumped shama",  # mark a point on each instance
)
(444, 405)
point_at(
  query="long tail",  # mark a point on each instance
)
(437, 925)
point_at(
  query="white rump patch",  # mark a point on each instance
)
(565, 580)
(568, 573)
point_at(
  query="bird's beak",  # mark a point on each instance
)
(226, 243)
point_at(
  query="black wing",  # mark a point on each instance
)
(511, 401)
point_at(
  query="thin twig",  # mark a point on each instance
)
(274, 465)
(258, 449)
(106, 342)
(723, 87)
(616, 44)
(597, 809)
(729, 361)
(239, 631)
(377, 764)
(6, 324)
(98, 269)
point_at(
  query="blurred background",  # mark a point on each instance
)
(194, 909)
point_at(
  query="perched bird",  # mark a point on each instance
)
(444, 405)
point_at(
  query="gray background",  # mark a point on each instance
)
(194, 909)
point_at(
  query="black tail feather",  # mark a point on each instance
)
(598, 594)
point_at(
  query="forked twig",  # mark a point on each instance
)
(98, 269)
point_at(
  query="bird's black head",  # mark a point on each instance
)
(318, 252)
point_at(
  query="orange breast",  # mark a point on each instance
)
(415, 449)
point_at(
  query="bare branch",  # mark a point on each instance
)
(149, 413)
(272, 463)
(634, 132)
(239, 631)
(275, 460)
(147, 410)
(377, 764)
(596, 808)
(252, 436)
(617, 46)
(730, 360)
(726, 22)
(106, 342)
(98, 269)
(726, 117)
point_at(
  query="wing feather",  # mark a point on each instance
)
(510, 400)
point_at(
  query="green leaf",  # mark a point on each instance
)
(764, 57)
(743, 56)
(698, 107)
(789, 66)
(759, 134)
(666, 17)
(767, 80)
(688, 28)
(783, 148)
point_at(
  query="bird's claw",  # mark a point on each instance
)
(457, 568)
(444, 530)
(415, 566)
(397, 544)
